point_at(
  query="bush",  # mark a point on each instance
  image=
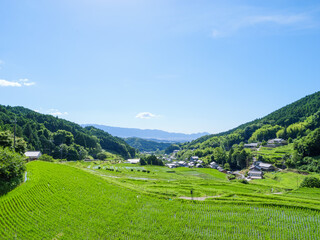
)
(244, 181)
(231, 177)
(46, 158)
(311, 182)
(12, 167)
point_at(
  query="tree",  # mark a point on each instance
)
(171, 148)
(102, 155)
(6, 139)
(12, 167)
(63, 137)
(309, 145)
(311, 182)
(142, 162)
(226, 166)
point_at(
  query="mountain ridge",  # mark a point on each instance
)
(149, 134)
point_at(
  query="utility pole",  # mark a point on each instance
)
(14, 135)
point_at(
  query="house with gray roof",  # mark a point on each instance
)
(33, 155)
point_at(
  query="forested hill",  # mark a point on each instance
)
(295, 112)
(57, 137)
(298, 123)
(146, 145)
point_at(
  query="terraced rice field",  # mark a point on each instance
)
(63, 202)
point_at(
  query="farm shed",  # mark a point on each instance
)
(251, 145)
(133, 161)
(33, 155)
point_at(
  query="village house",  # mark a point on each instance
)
(276, 142)
(182, 164)
(263, 166)
(33, 155)
(194, 158)
(133, 161)
(214, 165)
(255, 174)
(251, 145)
(171, 165)
(190, 164)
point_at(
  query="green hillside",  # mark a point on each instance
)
(144, 145)
(63, 202)
(297, 123)
(295, 112)
(56, 137)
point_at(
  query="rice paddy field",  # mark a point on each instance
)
(97, 200)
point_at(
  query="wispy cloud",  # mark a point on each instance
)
(5, 83)
(237, 23)
(277, 19)
(145, 115)
(20, 83)
(56, 112)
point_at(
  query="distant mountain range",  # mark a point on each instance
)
(148, 133)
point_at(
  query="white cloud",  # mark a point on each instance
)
(20, 83)
(5, 83)
(26, 82)
(56, 112)
(288, 20)
(237, 22)
(145, 115)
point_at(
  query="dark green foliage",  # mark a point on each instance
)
(7, 139)
(46, 158)
(244, 181)
(231, 177)
(151, 160)
(12, 167)
(171, 148)
(264, 133)
(143, 162)
(144, 145)
(57, 137)
(311, 182)
(112, 144)
(226, 166)
(309, 145)
(102, 155)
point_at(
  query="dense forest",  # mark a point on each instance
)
(298, 123)
(144, 145)
(56, 137)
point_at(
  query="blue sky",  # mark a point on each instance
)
(176, 65)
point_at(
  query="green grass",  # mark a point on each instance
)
(275, 153)
(76, 202)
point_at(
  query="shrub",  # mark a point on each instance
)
(311, 182)
(46, 158)
(12, 167)
(231, 177)
(244, 181)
